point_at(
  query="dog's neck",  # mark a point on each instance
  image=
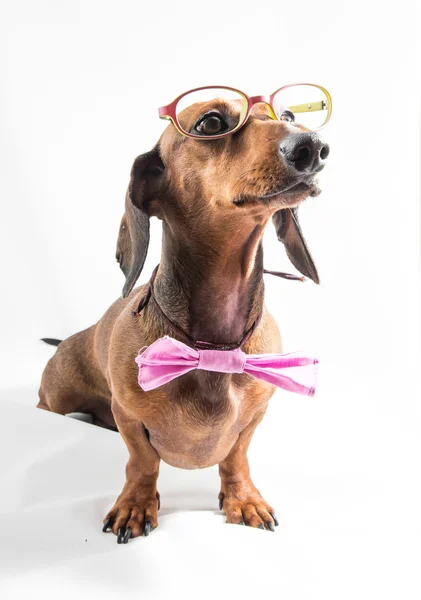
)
(211, 284)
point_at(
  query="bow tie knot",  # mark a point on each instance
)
(222, 361)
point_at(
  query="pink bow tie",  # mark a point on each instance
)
(167, 358)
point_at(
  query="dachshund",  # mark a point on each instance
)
(214, 199)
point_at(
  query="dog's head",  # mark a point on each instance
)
(264, 170)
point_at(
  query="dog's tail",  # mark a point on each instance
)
(51, 341)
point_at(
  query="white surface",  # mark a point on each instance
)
(345, 488)
(81, 84)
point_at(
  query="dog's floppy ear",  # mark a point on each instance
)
(133, 238)
(289, 233)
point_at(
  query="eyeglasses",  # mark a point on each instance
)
(226, 110)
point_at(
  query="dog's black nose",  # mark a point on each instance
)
(305, 151)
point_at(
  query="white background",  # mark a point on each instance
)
(81, 83)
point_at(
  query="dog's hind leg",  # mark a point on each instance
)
(64, 403)
(73, 383)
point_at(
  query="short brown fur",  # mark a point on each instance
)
(210, 196)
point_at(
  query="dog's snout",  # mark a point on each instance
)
(305, 151)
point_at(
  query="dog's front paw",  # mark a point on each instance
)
(247, 509)
(133, 516)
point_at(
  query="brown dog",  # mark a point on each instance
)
(215, 198)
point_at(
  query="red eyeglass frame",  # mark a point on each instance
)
(169, 111)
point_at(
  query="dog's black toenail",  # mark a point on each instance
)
(158, 497)
(107, 524)
(120, 534)
(147, 529)
(261, 526)
(127, 535)
(275, 520)
(270, 525)
(221, 502)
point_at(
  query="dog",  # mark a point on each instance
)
(214, 199)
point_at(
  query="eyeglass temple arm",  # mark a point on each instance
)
(308, 107)
(163, 112)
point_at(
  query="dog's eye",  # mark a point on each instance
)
(288, 116)
(211, 124)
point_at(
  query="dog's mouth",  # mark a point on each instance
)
(289, 195)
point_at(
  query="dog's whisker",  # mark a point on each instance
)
(247, 173)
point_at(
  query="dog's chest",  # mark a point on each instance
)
(198, 430)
